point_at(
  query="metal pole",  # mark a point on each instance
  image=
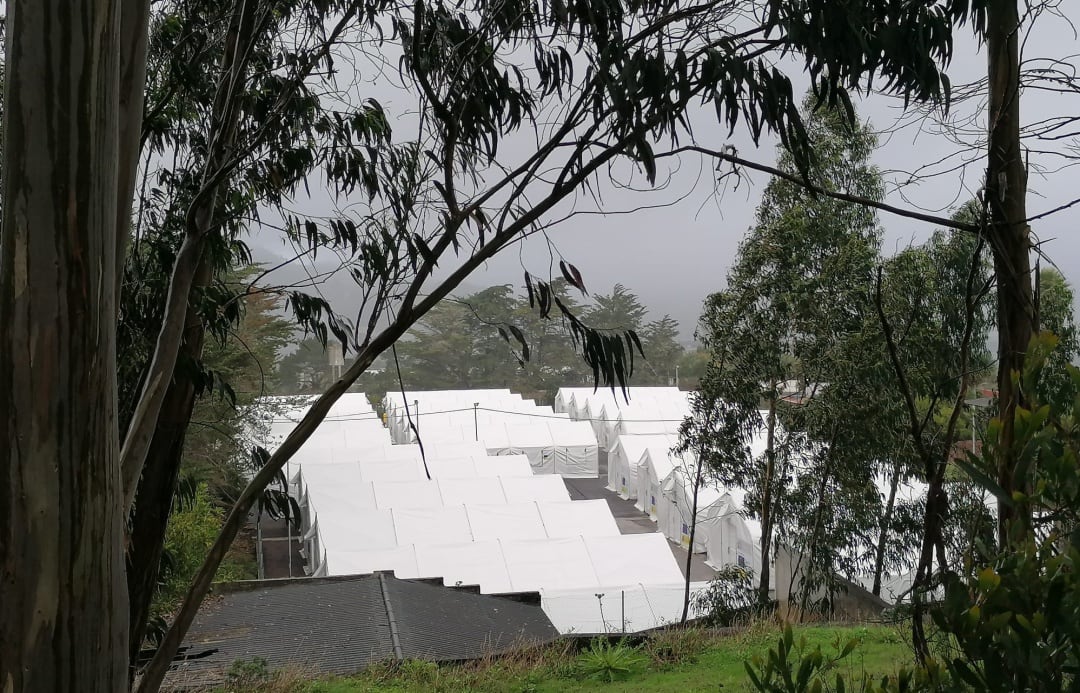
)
(475, 419)
(416, 413)
(623, 593)
(288, 525)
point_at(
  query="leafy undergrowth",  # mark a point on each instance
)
(682, 661)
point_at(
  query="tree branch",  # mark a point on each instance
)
(817, 190)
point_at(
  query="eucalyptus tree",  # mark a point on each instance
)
(799, 283)
(601, 84)
(934, 316)
(1055, 301)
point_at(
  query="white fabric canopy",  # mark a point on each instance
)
(401, 560)
(652, 469)
(549, 564)
(475, 563)
(503, 465)
(633, 558)
(432, 525)
(676, 516)
(534, 488)
(625, 456)
(589, 518)
(629, 609)
(398, 495)
(469, 492)
(514, 521)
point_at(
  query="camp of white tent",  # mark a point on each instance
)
(482, 504)
(501, 422)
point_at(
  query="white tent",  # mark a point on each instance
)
(628, 609)
(575, 449)
(474, 563)
(534, 488)
(549, 563)
(564, 398)
(588, 518)
(345, 528)
(470, 492)
(676, 516)
(392, 470)
(532, 439)
(401, 560)
(632, 559)
(514, 521)
(503, 465)
(729, 541)
(625, 456)
(398, 495)
(652, 469)
(432, 525)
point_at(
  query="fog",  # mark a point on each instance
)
(677, 250)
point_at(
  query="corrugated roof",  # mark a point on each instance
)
(341, 625)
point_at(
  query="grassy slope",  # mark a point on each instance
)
(700, 663)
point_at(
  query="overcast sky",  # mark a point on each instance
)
(672, 257)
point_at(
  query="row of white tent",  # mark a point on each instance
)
(638, 411)
(644, 468)
(501, 422)
(459, 513)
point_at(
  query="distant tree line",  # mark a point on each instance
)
(466, 343)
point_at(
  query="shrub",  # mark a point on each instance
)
(609, 662)
(730, 597)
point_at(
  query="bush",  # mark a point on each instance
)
(730, 597)
(193, 527)
(1013, 619)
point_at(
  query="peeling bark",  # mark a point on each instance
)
(63, 599)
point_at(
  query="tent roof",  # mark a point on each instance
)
(513, 521)
(549, 563)
(535, 488)
(644, 558)
(578, 518)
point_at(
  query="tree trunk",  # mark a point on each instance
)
(886, 520)
(63, 600)
(157, 486)
(767, 502)
(1006, 192)
(693, 532)
(160, 465)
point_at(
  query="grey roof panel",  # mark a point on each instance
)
(341, 625)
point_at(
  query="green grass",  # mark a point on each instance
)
(680, 662)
